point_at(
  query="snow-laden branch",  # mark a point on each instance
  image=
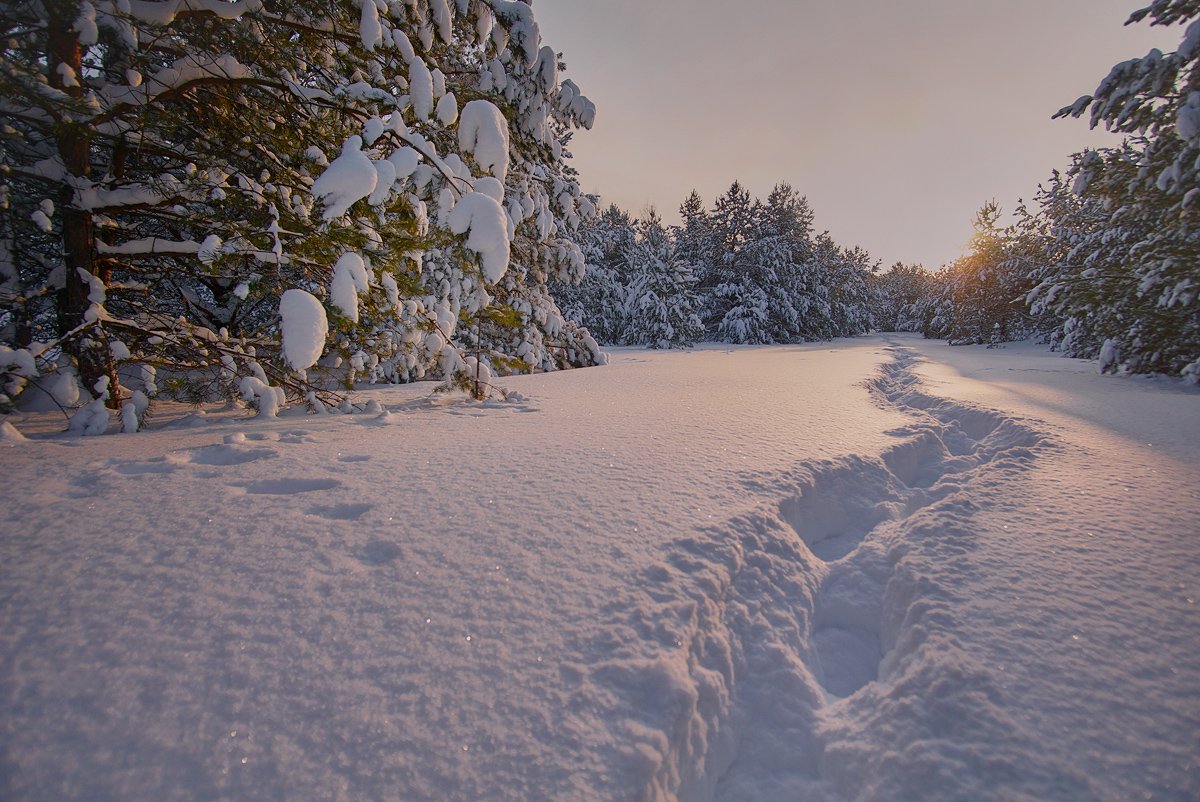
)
(150, 246)
(183, 72)
(165, 12)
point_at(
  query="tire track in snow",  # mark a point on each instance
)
(767, 631)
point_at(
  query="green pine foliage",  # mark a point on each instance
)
(1125, 283)
(161, 188)
(984, 291)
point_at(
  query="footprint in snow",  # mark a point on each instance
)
(86, 486)
(378, 552)
(226, 454)
(158, 465)
(288, 487)
(341, 512)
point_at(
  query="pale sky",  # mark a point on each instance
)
(898, 120)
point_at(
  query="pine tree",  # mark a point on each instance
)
(660, 298)
(733, 309)
(988, 286)
(897, 295)
(172, 169)
(598, 301)
(1142, 262)
(751, 272)
(780, 258)
(693, 239)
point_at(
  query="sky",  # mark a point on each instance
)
(897, 120)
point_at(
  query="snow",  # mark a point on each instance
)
(350, 178)
(385, 171)
(483, 132)
(420, 87)
(523, 28)
(208, 250)
(85, 24)
(349, 279)
(440, 11)
(402, 43)
(1188, 117)
(42, 221)
(304, 328)
(9, 435)
(186, 70)
(369, 28)
(372, 130)
(405, 160)
(483, 217)
(1109, 358)
(491, 187)
(874, 569)
(447, 109)
(164, 12)
(268, 399)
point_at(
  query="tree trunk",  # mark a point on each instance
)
(79, 237)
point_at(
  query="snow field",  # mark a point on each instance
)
(868, 570)
(775, 617)
(386, 606)
(1084, 600)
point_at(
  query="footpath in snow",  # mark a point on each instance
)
(877, 569)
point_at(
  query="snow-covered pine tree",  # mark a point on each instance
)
(935, 312)
(168, 167)
(598, 301)
(758, 274)
(895, 296)
(780, 256)
(693, 239)
(660, 298)
(733, 309)
(849, 297)
(1064, 303)
(1086, 295)
(1150, 190)
(988, 286)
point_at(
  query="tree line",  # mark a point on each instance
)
(744, 271)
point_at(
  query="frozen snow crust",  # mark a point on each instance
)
(733, 574)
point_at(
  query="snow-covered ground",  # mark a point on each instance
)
(877, 569)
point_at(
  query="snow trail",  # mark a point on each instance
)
(776, 623)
